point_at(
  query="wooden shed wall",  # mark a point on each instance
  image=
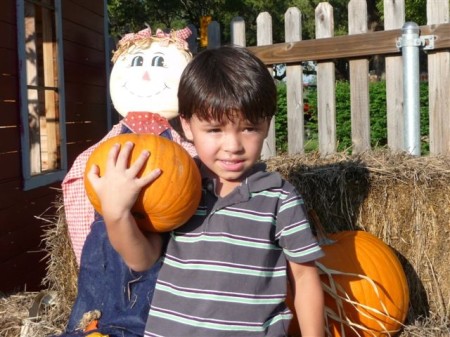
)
(21, 252)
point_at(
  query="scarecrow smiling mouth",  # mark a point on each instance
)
(143, 88)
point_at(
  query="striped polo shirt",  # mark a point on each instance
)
(224, 272)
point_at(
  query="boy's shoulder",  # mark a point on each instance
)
(261, 179)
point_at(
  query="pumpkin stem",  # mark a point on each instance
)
(321, 234)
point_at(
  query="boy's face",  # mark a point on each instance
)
(228, 149)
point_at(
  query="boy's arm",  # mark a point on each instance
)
(138, 250)
(308, 298)
(117, 190)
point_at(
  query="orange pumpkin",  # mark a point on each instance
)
(170, 200)
(366, 290)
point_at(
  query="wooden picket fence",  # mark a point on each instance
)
(357, 47)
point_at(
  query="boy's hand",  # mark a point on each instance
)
(117, 190)
(120, 185)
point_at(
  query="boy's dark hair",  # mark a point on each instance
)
(218, 83)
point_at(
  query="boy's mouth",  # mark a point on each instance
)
(233, 165)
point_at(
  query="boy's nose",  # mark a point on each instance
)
(232, 143)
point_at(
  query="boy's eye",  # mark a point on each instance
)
(214, 130)
(252, 128)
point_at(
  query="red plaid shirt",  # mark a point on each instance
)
(78, 209)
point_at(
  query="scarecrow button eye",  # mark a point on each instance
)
(137, 61)
(158, 61)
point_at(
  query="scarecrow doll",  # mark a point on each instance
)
(113, 300)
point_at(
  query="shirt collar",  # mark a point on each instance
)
(258, 180)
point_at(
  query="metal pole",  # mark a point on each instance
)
(410, 43)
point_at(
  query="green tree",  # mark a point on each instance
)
(132, 15)
(415, 10)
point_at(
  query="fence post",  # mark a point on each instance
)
(213, 35)
(238, 31)
(409, 44)
(359, 81)
(439, 84)
(326, 93)
(294, 86)
(263, 38)
(394, 18)
(192, 40)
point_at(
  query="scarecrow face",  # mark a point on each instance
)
(146, 80)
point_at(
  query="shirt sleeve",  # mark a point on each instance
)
(293, 229)
(78, 210)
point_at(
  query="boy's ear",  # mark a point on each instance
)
(186, 125)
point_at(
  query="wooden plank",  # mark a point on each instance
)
(9, 192)
(12, 195)
(9, 113)
(80, 112)
(264, 37)
(439, 85)
(85, 131)
(394, 14)
(326, 91)
(214, 35)
(25, 272)
(359, 81)
(9, 36)
(14, 217)
(85, 93)
(10, 137)
(9, 89)
(238, 31)
(50, 79)
(9, 64)
(83, 36)
(94, 6)
(20, 240)
(8, 11)
(294, 86)
(11, 171)
(72, 11)
(74, 149)
(85, 74)
(83, 54)
(348, 46)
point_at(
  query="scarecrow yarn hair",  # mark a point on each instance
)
(144, 38)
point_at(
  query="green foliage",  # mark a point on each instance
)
(281, 127)
(378, 114)
(281, 120)
(132, 15)
(343, 120)
(415, 10)
(378, 117)
(424, 119)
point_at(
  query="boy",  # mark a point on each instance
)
(225, 271)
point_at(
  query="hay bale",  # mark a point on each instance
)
(404, 200)
(33, 314)
(62, 268)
